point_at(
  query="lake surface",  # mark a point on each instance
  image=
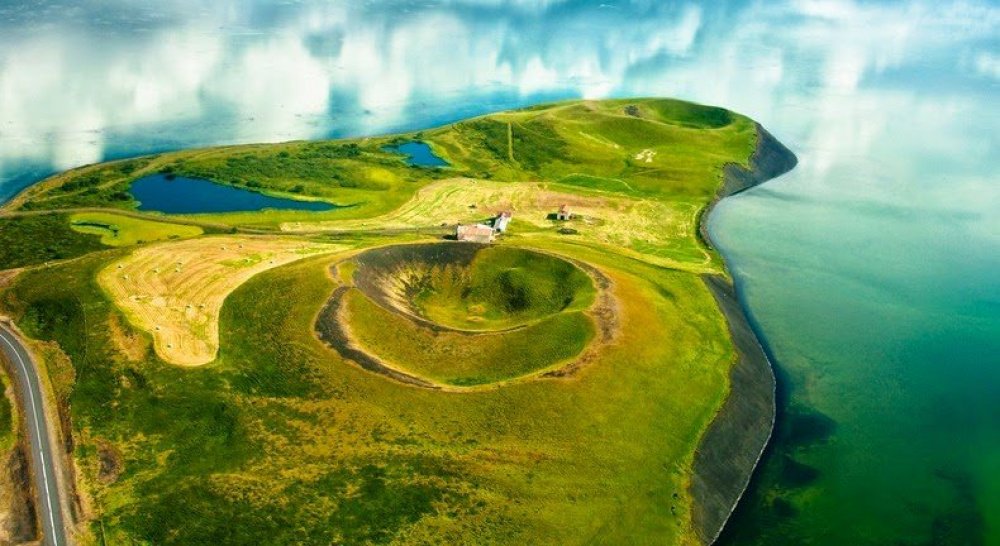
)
(183, 195)
(418, 154)
(871, 270)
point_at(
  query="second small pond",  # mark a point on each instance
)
(418, 154)
(183, 195)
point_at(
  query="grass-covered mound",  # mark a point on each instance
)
(463, 314)
(457, 359)
(465, 286)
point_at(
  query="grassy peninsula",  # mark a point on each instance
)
(353, 376)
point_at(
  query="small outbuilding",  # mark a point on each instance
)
(474, 233)
(564, 213)
(501, 222)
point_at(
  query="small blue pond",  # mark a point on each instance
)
(418, 154)
(182, 195)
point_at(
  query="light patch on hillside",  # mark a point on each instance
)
(645, 156)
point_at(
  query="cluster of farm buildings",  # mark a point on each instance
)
(487, 232)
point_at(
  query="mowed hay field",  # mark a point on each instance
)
(174, 291)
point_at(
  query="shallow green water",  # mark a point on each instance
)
(873, 269)
(891, 335)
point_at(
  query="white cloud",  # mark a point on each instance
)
(535, 77)
(987, 64)
(827, 9)
(272, 84)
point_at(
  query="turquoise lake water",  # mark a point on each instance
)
(182, 195)
(872, 270)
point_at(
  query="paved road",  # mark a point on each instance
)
(43, 466)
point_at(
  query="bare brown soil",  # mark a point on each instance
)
(130, 344)
(17, 507)
(7, 277)
(111, 464)
(605, 313)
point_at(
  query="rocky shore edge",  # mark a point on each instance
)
(731, 448)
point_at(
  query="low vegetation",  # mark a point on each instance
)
(100, 185)
(653, 229)
(578, 363)
(119, 230)
(32, 240)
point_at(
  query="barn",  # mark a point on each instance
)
(475, 233)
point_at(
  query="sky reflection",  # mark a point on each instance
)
(84, 82)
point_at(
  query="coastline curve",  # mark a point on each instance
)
(733, 444)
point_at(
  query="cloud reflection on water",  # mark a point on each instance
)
(74, 81)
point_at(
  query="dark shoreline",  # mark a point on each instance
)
(734, 443)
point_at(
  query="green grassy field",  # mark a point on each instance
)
(119, 230)
(282, 440)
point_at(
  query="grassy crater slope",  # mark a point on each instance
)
(284, 440)
(501, 288)
(473, 287)
(451, 358)
(461, 314)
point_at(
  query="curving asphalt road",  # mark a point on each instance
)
(47, 501)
